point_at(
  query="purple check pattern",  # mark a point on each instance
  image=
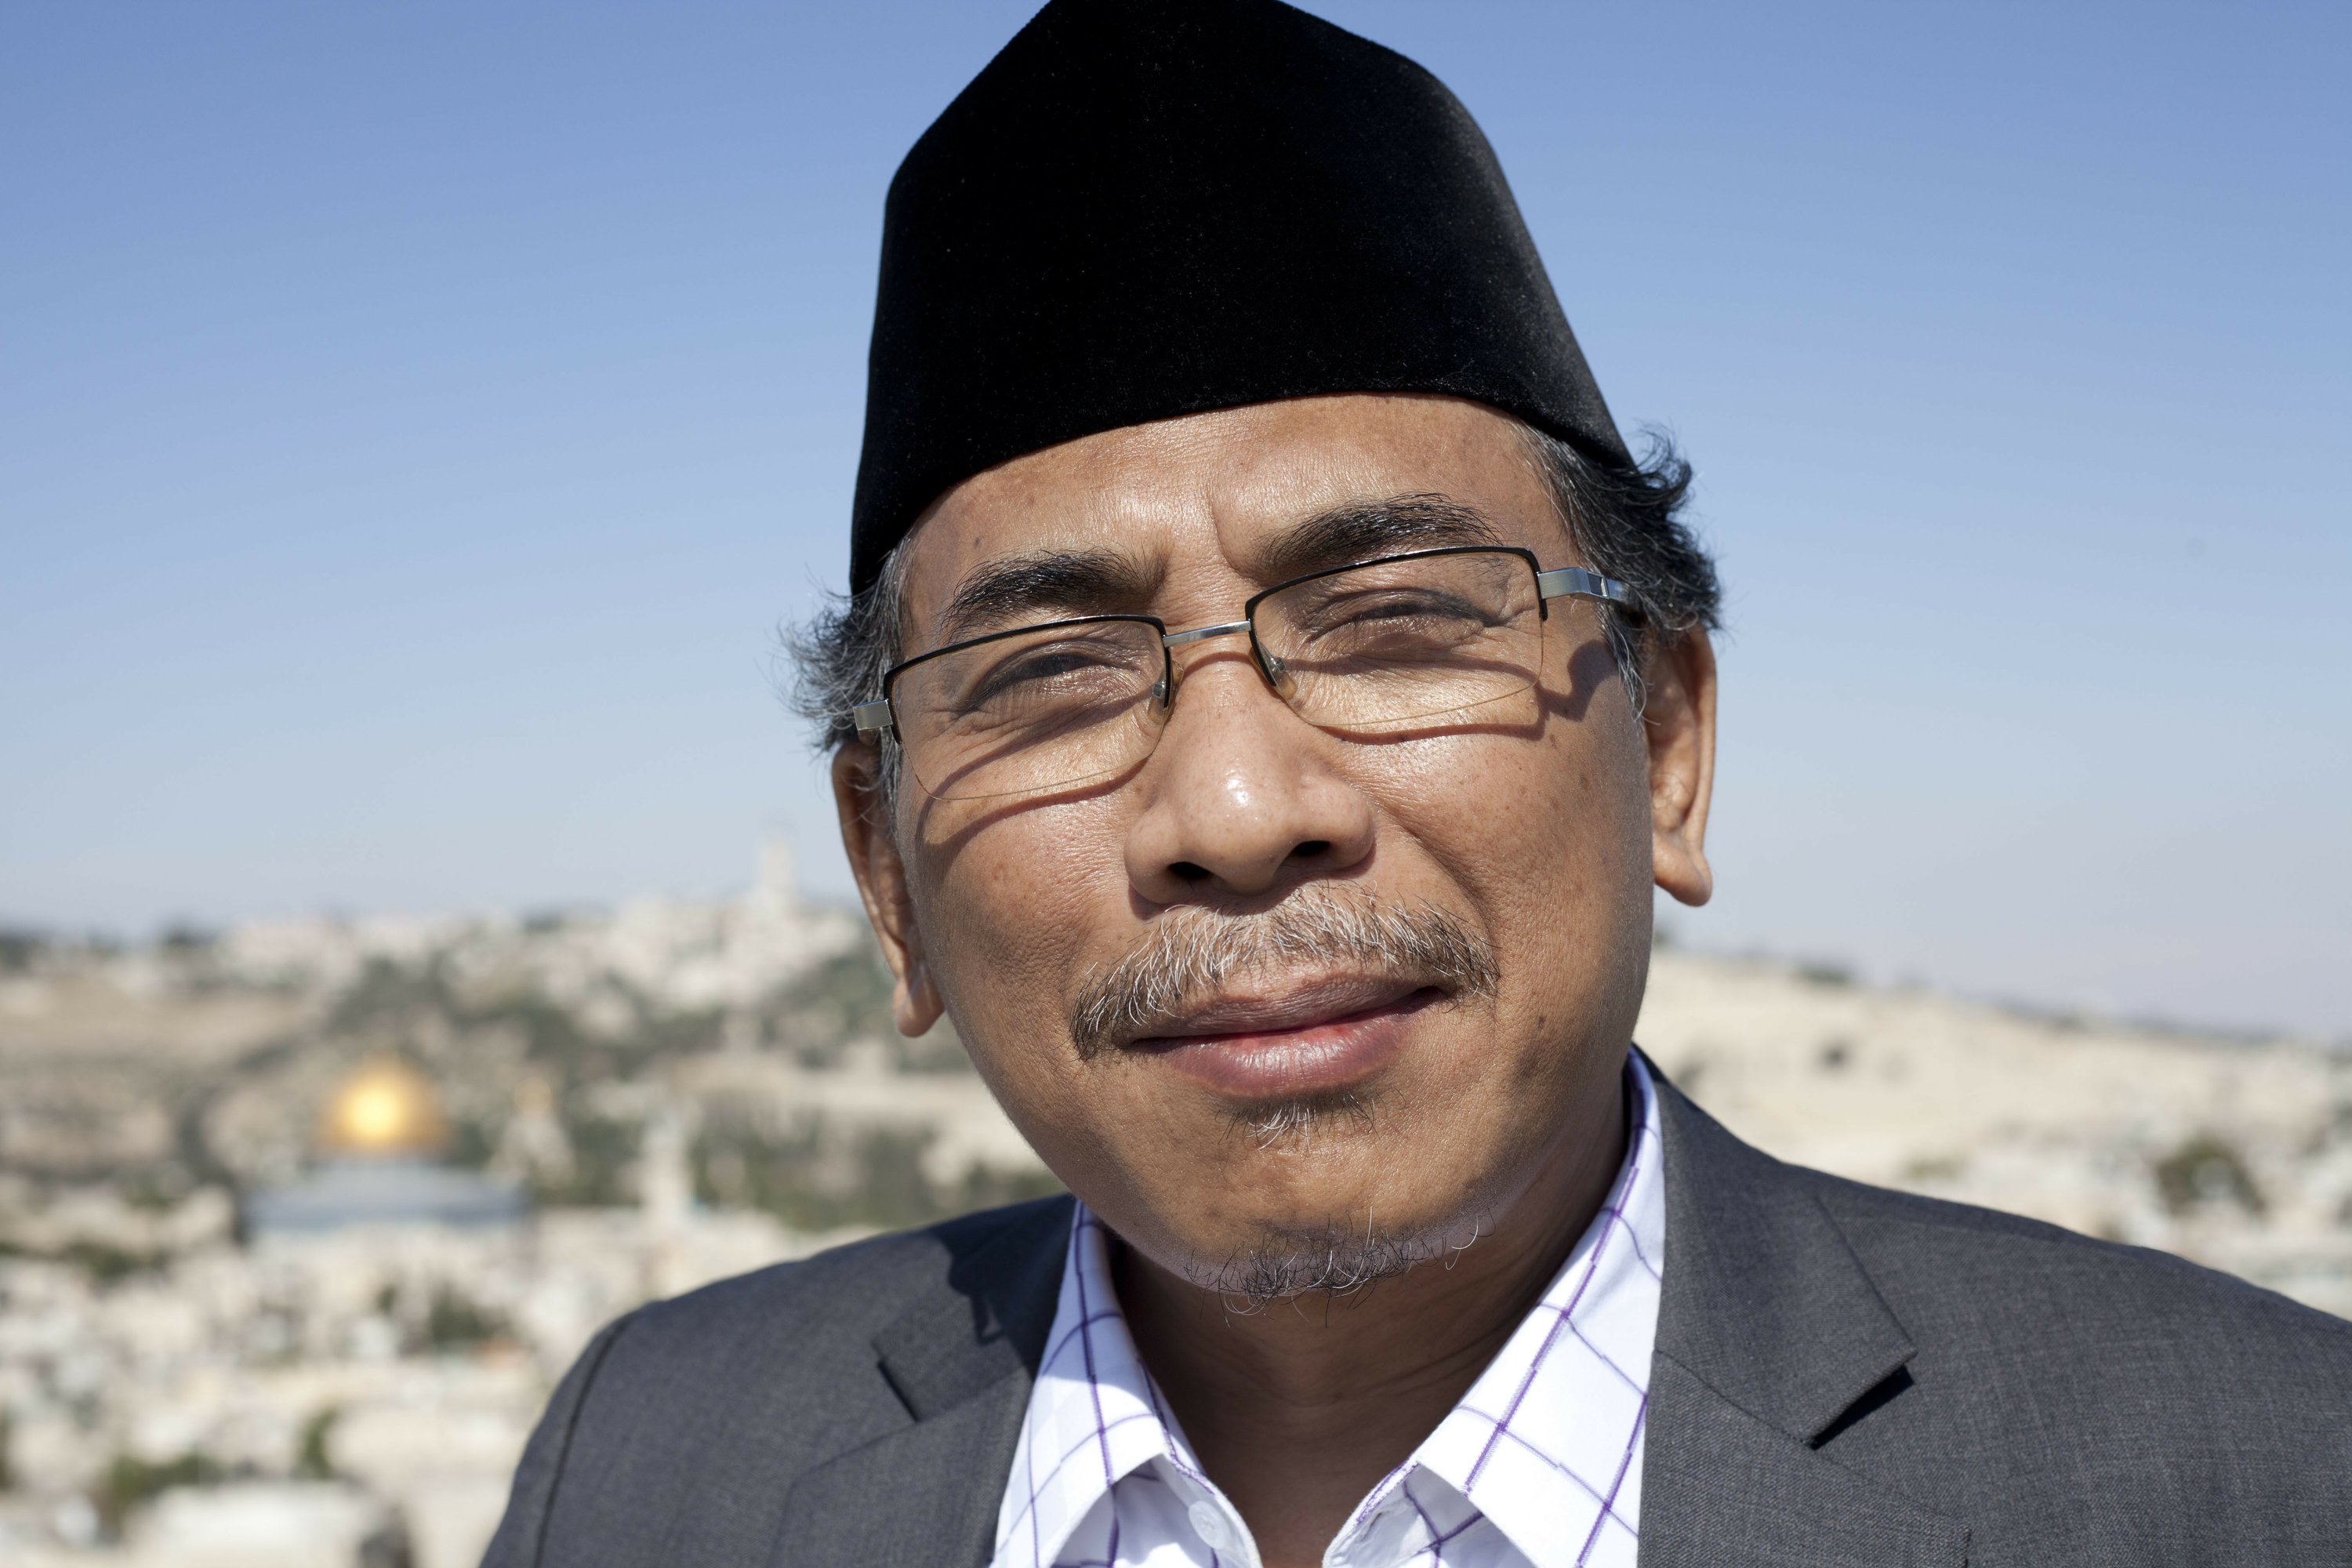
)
(1539, 1466)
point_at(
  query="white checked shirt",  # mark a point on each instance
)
(1539, 1464)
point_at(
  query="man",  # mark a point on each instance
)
(1268, 694)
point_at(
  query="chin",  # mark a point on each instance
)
(1316, 1198)
(1337, 1249)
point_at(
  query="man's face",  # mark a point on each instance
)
(1349, 1091)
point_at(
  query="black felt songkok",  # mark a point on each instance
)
(1144, 208)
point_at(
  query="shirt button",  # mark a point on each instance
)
(1209, 1525)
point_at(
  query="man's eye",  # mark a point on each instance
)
(1419, 607)
(1397, 613)
(1037, 669)
(1038, 673)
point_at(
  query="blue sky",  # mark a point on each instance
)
(415, 421)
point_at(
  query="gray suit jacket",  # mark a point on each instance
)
(1843, 1375)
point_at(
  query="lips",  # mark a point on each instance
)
(1315, 1039)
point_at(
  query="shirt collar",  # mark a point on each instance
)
(1546, 1444)
(1094, 1414)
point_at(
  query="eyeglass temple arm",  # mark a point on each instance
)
(1566, 581)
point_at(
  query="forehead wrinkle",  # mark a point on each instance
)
(1038, 583)
(1360, 531)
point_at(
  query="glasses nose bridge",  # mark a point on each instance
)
(1201, 634)
(1245, 627)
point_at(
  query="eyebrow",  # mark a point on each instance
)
(1048, 583)
(1360, 530)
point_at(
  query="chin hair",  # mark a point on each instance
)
(1285, 1263)
(1283, 1266)
(1296, 1124)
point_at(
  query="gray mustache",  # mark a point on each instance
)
(1192, 952)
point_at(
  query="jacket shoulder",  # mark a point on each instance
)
(2013, 1261)
(680, 1429)
(793, 1344)
(844, 1295)
(1967, 1276)
(2050, 1368)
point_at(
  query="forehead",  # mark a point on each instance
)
(1196, 505)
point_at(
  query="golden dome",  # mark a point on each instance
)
(386, 1107)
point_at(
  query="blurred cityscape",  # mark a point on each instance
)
(300, 1221)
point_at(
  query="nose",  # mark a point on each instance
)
(1241, 795)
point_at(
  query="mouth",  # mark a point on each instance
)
(1308, 1041)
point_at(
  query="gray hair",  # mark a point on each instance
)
(1284, 1264)
(1624, 516)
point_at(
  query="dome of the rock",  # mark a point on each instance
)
(382, 1138)
(385, 1109)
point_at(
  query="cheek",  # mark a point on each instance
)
(1551, 845)
(1516, 823)
(1006, 907)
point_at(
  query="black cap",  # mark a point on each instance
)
(1145, 208)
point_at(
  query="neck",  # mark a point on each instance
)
(1298, 1410)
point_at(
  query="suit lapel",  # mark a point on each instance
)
(1769, 1331)
(962, 1359)
(923, 1497)
(1718, 1486)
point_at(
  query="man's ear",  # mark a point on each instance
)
(1678, 721)
(881, 876)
